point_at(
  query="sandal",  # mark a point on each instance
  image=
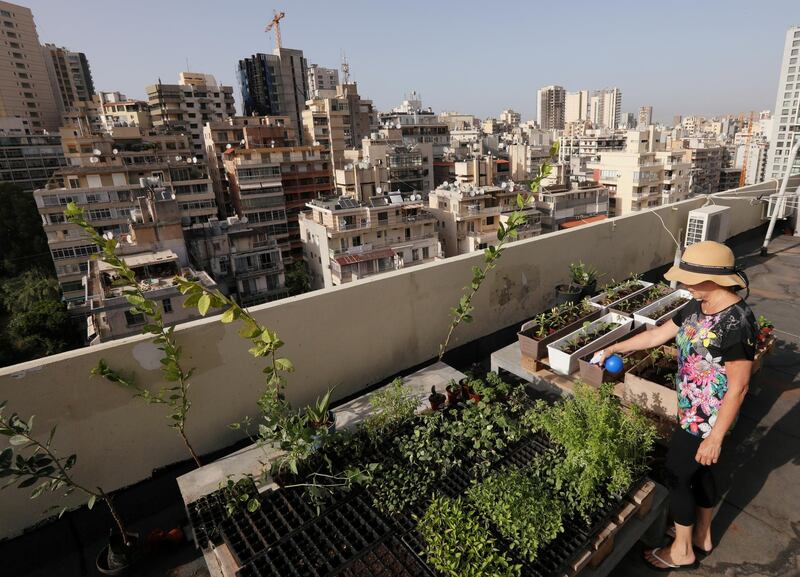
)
(699, 551)
(667, 565)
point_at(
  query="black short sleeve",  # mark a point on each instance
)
(740, 342)
(684, 312)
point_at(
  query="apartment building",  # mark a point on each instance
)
(104, 176)
(525, 159)
(275, 85)
(346, 240)
(786, 114)
(189, 105)
(339, 121)
(707, 159)
(645, 117)
(28, 160)
(25, 90)
(70, 76)
(245, 263)
(565, 204)
(154, 249)
(230, 132)
(418, 126)
(270, 186)
(458, 121)
(550, 107)
(117, 110)
(510, 118)
(605, 108)
(576, 106)
(321, 79)
(409, 166)
(643, 175)
(482, 170)
(470, 215)
(589, 146)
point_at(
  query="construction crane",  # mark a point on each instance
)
(743, 175)
(276, 22)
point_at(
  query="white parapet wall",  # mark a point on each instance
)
(350, 336)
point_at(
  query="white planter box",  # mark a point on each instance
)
(567, 364)
(595, 300)
(643, 316)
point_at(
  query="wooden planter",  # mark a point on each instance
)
(653, 397)
(567, 364)
(596, 375)
(537, 349)
(644, 315)
(597, 300)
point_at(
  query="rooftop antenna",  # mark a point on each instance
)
(276, 23)
(345, 68)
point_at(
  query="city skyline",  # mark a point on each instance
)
(698, 52)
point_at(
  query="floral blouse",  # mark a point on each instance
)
(705, 343)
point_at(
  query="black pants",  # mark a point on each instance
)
(691, 484)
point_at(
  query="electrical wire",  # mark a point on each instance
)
(669, 232)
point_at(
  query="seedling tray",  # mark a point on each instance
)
(389, 558)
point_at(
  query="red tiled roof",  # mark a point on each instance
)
(580, 221)
(346, 259)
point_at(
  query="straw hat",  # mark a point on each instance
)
(708, 260)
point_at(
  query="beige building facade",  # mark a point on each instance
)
(25, 89)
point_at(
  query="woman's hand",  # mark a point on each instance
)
(709, 450)
(599, 358)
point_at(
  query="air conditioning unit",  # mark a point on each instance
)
(708, 223)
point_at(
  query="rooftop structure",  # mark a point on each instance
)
(562, 205)
(418, 125)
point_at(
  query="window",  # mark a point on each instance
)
(489, 220)
(414, 254)
(425, 252)
(357, 240)
(383, 217)
(408, 233)
(167, 305)
(133, 318)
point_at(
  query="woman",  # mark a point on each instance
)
(715, 336)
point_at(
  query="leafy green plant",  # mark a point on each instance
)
(605, 448)
(520, 506)
(391, 407)
(176, 397)
(505, 233)
(587, 334)
(460, 544)
(548, 322)
(582, 274)
(318, 414)
(483, 430)
(29, 461)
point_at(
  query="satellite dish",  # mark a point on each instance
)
(472, 193)
(97, 152)
(115, 151)
(348, 166)
(179, 157)
(445, 183)
(241, 142)
(378, 189)
(194, 160)
(228, 146)
(398, 125)
(94, 160)
(108, 235)
(504, 185)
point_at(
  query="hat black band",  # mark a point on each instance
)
(708, 269)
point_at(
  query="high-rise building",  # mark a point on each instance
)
(550, 103)
(339, 120)
(418, 125)
(645, 116)
(25, 90)
(187, 106)
(28, 160)
(786, 116)
(275, 85)
(576, 106)
(70, 76)
(605, 108)
(116, 110)
(510, 118)
(320, 78)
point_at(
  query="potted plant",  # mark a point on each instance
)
(320, 416)
(30, 461)
(546, 327)
(436, 399)
(564, 353)
(765, 341)
(614, 292)
(567, 293)
(639, 300)
(453, 390)
(663, 309)
(650, 383)
(595, 375)
(583, 276)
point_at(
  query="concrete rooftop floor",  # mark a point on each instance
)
(756, 528)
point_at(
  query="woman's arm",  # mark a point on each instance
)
(644, 340)
(738, 373)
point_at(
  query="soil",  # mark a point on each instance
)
(583, 340)
(668, 308)
(661, 372)
(532, 331)
(639, 301)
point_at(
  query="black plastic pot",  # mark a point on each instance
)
(117, 558)
(587, 290)
(567, 293)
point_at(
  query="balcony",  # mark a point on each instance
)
(120, 441)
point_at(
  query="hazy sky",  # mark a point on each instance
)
(702, 57)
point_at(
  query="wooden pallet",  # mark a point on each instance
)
(637, 505)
